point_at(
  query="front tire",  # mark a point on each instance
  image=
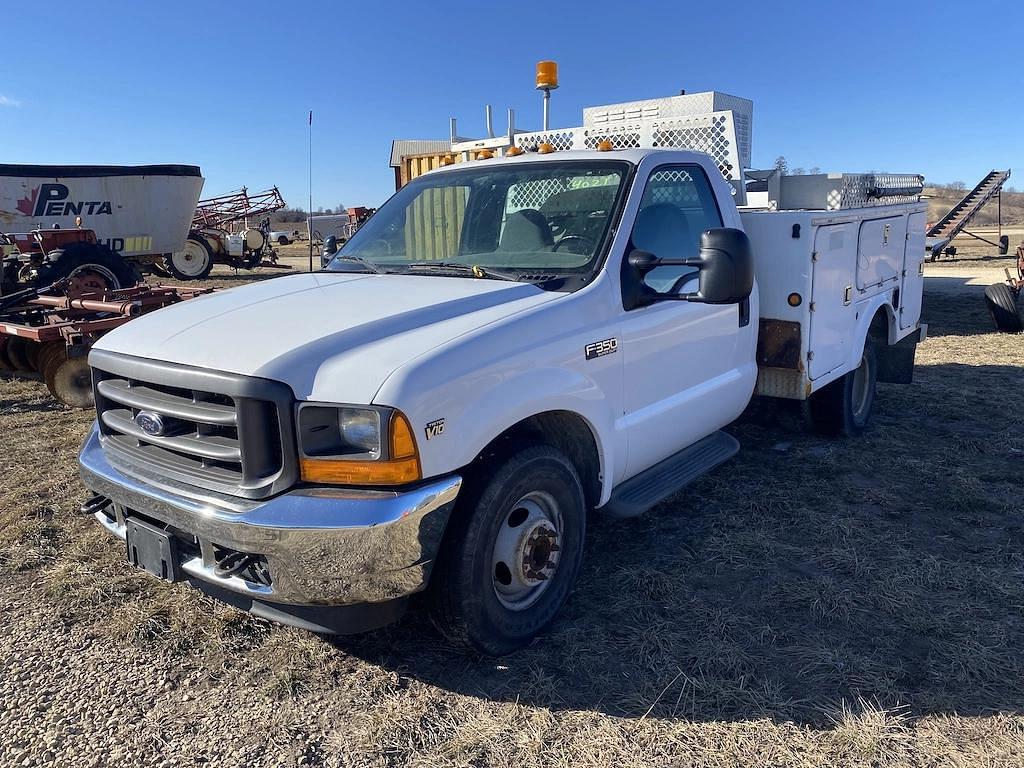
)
(193, 262)
(513, 553)
(844, 406)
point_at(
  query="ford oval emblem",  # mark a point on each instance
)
(151, 423)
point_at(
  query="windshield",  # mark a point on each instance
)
(528, 219)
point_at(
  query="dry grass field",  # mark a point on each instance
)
(813, 602)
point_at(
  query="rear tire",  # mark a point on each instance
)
(194, 262)
(514, 549)
(844, 406)
(282, 240)
(1003, 308)
(90, 268)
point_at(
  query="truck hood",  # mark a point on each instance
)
(329, 336)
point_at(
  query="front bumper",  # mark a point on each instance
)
(323, 546)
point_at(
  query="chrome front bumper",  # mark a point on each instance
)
(323, 546)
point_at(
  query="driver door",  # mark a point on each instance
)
(679, 357)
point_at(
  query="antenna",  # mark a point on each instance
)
(309, 225)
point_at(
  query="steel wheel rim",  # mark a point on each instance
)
(861, 388)
(192, 260)
(82, 280)
(527, 551)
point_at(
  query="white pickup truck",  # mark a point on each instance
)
(507, 344)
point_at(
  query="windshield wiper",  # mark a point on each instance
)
(470, 269)
(370, 266)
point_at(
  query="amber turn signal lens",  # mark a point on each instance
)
(402, 467)
(604, 146)
(342, 472)
(545, 148)
(484, 154)
(513, 152)
(403, 446)
(795, 299)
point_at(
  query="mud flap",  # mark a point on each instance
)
(896, 361)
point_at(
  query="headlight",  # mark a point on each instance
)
(349, 445)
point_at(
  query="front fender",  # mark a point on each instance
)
(481, 408)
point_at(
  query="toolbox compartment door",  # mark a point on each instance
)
(912, 285)
(880, 251)
(832, 314)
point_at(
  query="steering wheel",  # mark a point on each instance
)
(570, 239)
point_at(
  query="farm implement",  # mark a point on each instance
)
(221, 233)
(48, 331)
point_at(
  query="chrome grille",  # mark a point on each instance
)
(222, 432)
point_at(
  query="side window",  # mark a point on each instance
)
(677, 206)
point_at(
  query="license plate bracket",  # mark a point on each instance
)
(152, 549)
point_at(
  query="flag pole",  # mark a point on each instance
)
(309, 220)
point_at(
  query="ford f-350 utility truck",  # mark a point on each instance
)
(507, 344)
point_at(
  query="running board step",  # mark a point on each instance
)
(640, 493)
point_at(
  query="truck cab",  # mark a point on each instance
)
(506, 345)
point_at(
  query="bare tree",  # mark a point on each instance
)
(781, 165)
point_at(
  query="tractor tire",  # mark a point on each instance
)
(1003, 308)
(69, 380)
(89, 268)
(17, 353)
(194, 262)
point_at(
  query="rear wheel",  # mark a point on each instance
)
(844, 406)
(194, 262)
(282, 240)
(514, 552)
(1002, 307)
(88, 268)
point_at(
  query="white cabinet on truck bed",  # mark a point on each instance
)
(823, 277)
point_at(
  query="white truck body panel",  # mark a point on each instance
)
(845, 266)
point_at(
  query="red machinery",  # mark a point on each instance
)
(51, 334)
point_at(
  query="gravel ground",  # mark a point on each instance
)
(813, 602)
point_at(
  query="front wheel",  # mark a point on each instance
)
(844, 406)
(193, 262)
(513, 554)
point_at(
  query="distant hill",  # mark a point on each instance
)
(943, 197)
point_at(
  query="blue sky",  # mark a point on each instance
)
(898, 86)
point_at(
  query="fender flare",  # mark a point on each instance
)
(867, 312)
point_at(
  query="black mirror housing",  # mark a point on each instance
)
(726, 265)
(331, 245)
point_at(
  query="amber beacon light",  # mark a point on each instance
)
(547, 81)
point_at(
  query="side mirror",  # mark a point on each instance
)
(330, 245)
(726, 267)
(725, 264)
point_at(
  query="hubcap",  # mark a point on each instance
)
(526, 551)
